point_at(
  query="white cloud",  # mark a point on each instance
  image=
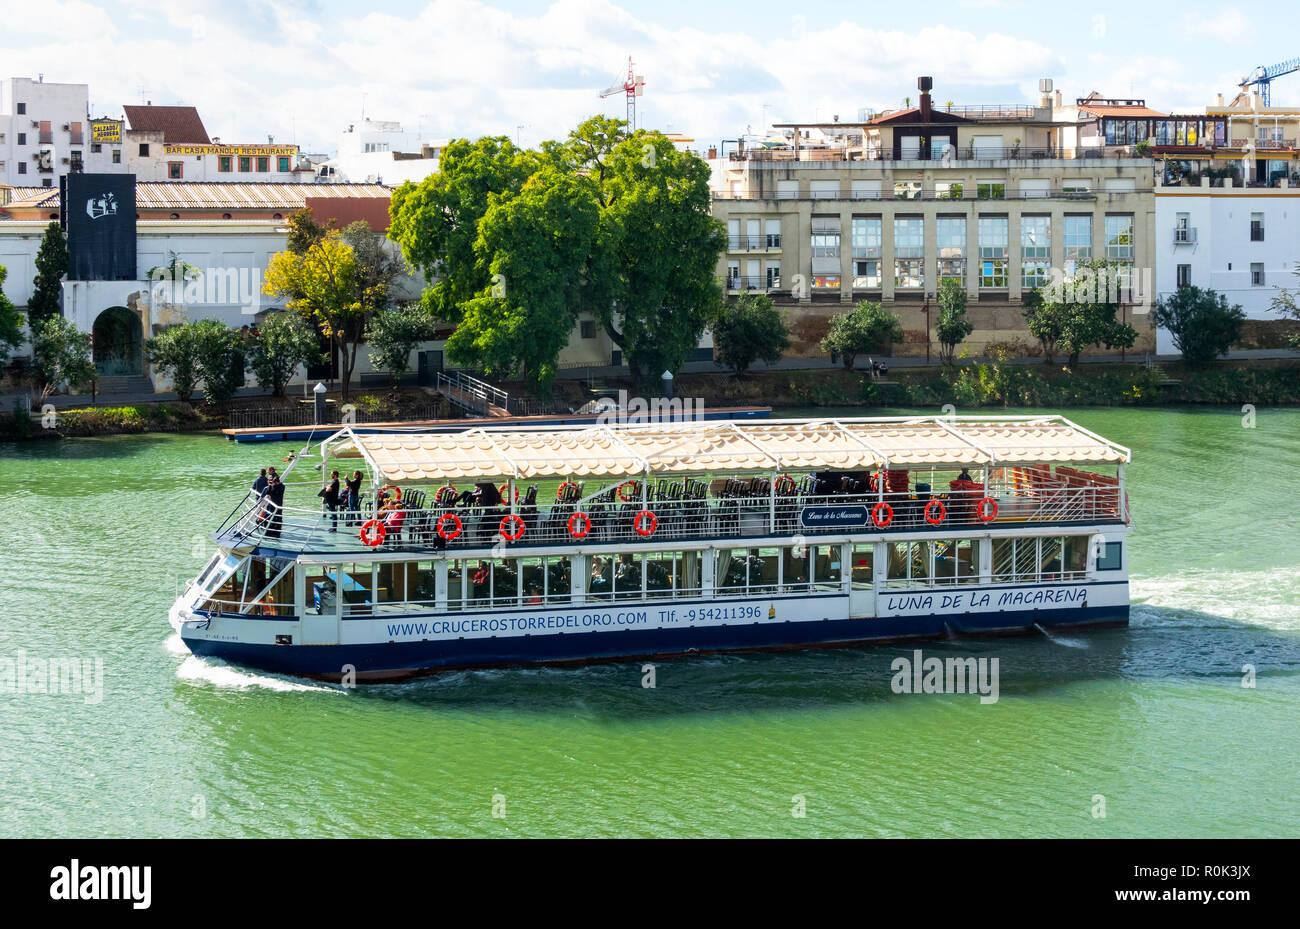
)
(1230, 25)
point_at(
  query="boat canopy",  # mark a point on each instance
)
(633, 450)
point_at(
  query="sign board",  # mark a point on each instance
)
(833, 517)
(238, 150)
(98, 215)
(106, 130)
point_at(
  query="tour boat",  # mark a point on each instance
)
(508, 546)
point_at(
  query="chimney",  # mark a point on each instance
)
(924, 84)
(1218, 99)
(1045, 92)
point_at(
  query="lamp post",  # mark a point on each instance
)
(927, 327)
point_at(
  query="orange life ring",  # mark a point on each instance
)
(641, 526)
(377, 538)
(992, 510)
(445, 487)
(397, 491)
(586, 525)
(784, 480)
(882, 514)
(636, 490)
(504, 491)
(559, 491)
(442, 526)
(935, 518)
(510, 519)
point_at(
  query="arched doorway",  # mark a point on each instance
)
(119, 343)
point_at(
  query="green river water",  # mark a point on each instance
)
(1152, 718)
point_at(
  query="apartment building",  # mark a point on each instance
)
(170, 143)
(822, 215)
(45, 132)
(1228, 210)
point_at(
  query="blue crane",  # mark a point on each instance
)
(1262, 77)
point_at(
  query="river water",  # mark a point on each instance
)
(1151, 722)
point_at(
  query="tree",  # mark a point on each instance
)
(60, 354)
(1287, 303)
(536, 246)
(749, 330)
(1202, 322)
(219, 355)
(652, 282)
(436, 221)
(1080, 312)
(11, 323)
(952, 326)
(303, 231)
(47, 287)
(284, 341)
(865, 328)
(174, 352)
(393, 333)
(322, 285)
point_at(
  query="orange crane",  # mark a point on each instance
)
(632, 86)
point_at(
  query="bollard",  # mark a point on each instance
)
(319, 391)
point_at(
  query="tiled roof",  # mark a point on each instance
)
(178, 124)
(1121, 111)
(180, 195)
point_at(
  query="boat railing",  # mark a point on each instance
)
(627, 522)
(215, 606)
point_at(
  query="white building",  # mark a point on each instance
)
(381, 152)
(44, 132)
(170, 143)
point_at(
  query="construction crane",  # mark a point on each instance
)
(632, 86)
(1262, 77)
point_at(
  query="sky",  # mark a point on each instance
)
(302, 70)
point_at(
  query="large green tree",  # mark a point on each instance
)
(174, 353)
(11, 323)
(865, 328)
(1202, 323)
(60, 354)
(952, 326)
(47, 287)
(220, 354)
(1080, 312)
(749, 330)
(1287, 303)
(284, 341)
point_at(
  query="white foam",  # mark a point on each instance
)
(175, 645)
(197, 670)
(1260, 598)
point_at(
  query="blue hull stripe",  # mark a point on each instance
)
(393, 660)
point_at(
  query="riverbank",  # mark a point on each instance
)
(1004, 385)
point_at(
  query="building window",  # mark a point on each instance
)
(1119, 237)
(22, 167)
(144, 149)
(1078, 241)
(866, 274)
(826, 244)
(948, 190)
(175, 170)
(826, 281)
(1035, 251)
(245, 164)
(1184, 276)
(225, 216)
(117, 156)
(909, 252)
(1257, 227)
(22, 109)
(223, 164)
(866, 236)
(951, 241)
(1256, 274)
(773, 227)
(587, 328)
(991, 190)
(907, 190)
(175, 216)
(993, 232)
(263, 164)
(282, 163)
(74, 161)
(773, 275)
(96, 148)
(22, 138)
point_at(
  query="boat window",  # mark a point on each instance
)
(600, 580)
(356, 583)
(662, 573)
(321, 585)
(545, 580)
(1047, 559)
(1112, 559)
(863, 557)
(956, 561)
(1076, 555)
(795, 566)
(826, 567)
(909, 564)
(421, 586)
(627, 575)
(753, 570)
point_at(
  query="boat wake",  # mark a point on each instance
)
(1259, 598)
(196, 670)
(1061, 639)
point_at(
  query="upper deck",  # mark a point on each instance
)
(705, 481)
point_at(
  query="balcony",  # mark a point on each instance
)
(738, 284)
(753, 243)
(1185, 235)
(922, 193)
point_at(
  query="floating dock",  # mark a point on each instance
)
(312, 433)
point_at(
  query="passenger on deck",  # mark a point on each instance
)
(965, 475)
(275, 500)
(393, 515)
(533, 594)
(331, 495)
(353, 485)
(259, 485)
(484, 494)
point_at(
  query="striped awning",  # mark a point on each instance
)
(727, 447)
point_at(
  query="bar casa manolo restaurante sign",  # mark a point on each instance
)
(263, 150)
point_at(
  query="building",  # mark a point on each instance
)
(381, 152)
(170, 143)
(998, 197)
(45, 133)
(1228, 208)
